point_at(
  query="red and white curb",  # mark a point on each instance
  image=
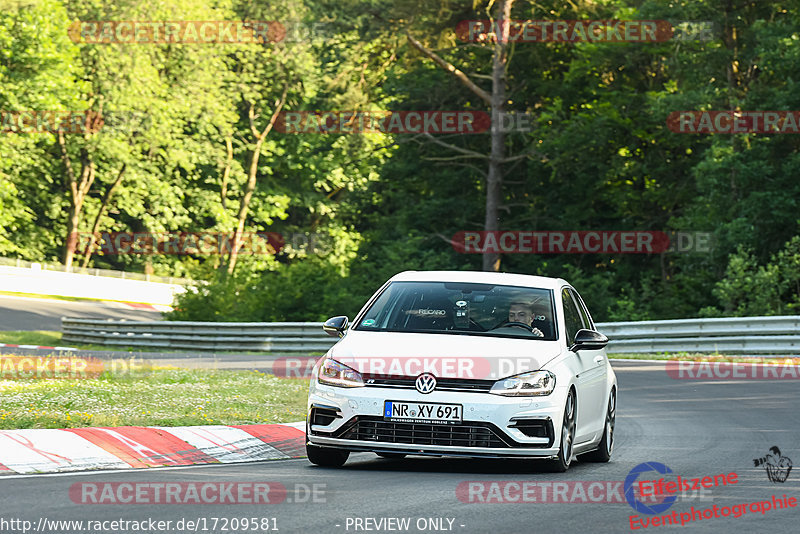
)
(35, 347)
(78, 449)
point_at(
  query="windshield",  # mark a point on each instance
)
(462, 308)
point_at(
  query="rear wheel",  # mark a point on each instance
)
(325, 456)
(561, 462)
(391, 455)
(606, 446)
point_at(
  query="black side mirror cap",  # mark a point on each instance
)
(335, 326)
(588, 340)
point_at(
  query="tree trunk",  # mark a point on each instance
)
(496, 102)
(494, 180)
(72, 233)
(223, 192)
(103, 207)
(244, 204)
(78, 190)
(252, 175)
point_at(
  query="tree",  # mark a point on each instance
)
(496, 102)
(244, 205)
(39, 72)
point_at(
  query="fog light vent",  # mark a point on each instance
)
(324, 415)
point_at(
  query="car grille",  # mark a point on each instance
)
(470, 434)
(442, 384)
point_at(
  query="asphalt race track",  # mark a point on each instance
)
(24, 313)
(696, 428)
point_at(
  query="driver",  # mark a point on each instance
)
(522, 312)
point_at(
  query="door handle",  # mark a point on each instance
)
(598, 359)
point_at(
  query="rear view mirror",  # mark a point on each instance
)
(335, 326)
(588, 340)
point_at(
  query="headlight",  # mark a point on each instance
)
(338, 374)
(532, 383)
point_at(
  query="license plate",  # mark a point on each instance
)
(422, 412)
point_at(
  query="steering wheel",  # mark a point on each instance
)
(513, 323)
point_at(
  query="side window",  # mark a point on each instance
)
(572, 317)
(587, 321)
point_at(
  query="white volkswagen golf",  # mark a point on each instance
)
(457, 363)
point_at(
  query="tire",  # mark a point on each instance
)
(561, 462)
(606, 446)
(326, 457)
(392, 455)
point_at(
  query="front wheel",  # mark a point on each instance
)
(603, 452)
(561, 462)
(325, 456)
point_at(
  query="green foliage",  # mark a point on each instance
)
(599, 156)
(750, 289)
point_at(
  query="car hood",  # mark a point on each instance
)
(444, 355)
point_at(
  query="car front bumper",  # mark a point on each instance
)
(493, 425)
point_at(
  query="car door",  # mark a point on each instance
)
(592, 371)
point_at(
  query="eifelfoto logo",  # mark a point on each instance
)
(425, 383)
(777, 466)
(631, 484)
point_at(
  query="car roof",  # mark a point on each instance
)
(482, 277)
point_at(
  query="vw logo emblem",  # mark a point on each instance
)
(425, 383)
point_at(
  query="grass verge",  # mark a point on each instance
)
(64, 297)
(48, 297)
(47, 338)
(163, 397)
(51, 338)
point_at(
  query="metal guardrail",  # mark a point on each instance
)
(259, 337)
(124, 275)
(735, 335)
(739, 335)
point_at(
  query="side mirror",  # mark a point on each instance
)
(335, 326)
(588, 340)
